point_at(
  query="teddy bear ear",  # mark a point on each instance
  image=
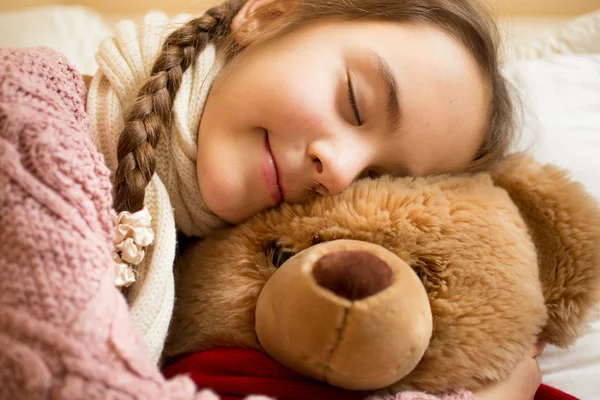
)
(564, 223)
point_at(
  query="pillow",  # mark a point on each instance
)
(579, 36)
(561, 99)
(74, 31)
(558, 78)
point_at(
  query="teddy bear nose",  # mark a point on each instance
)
(353, 275)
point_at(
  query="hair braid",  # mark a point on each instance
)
(150, 116)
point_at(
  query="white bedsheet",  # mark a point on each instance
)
(576, 370)
(563, 91)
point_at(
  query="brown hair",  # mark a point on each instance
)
(150, 115)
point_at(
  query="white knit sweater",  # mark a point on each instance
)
(172, 197)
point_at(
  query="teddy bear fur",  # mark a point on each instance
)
(505, 257)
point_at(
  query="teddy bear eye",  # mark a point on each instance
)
(280, 254)
(420, 273)
(316, 239)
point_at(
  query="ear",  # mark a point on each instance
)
(564, 223)
(255, 18)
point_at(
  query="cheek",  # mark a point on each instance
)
(303, 110)
(296, 96)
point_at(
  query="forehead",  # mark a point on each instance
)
(443, 96)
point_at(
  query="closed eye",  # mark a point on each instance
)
(352, 99)
(370, 173)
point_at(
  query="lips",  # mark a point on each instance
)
(271, 174)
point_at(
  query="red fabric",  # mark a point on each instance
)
(546, 392)
(236, 373)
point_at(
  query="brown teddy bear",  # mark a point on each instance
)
(413, 283)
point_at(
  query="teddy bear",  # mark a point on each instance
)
(395, 284)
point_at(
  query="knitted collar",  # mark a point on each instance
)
(125, 61)
(172, 196)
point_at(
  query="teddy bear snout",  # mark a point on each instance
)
(346, 312)
(353, 275)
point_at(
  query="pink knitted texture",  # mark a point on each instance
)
(65, 332)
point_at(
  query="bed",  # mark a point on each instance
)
(553, 59)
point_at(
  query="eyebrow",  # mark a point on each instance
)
(392, 100)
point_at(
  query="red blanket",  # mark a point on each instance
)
(236, 373)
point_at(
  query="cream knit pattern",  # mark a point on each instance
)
(172, 197)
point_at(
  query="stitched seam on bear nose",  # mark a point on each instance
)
(340, 332)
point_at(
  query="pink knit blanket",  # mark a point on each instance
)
(65, 332)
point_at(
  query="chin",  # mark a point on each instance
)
(222, 206)
(228, 206)
(229, 196)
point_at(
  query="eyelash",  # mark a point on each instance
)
(371, 174)
(352, 100)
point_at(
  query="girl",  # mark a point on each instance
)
(316, 94)
(264, 101)
(261, 101)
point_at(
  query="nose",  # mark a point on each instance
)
(337, 166)
(353, 275)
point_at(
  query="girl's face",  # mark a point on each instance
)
(332, 102)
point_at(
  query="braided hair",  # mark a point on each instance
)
(149, 117)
